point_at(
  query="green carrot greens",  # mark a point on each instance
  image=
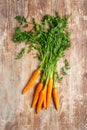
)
(51, 39)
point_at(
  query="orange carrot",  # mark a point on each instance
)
(55, 97)
(44, 102)
(49, 92)
(36, 94)
(32, 80)
(40, 101)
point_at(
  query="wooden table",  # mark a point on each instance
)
(15, 109)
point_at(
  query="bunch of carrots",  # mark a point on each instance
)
(51, 39)
(42, 95)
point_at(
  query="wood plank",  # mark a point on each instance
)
(15, 109)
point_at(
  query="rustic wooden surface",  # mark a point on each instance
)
(15, 108)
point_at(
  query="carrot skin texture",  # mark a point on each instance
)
(31, 81)
(55, 97)
(49, 92)
(44, 102)
(40, 101)
(36, 94)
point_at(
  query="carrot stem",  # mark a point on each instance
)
(32, 80)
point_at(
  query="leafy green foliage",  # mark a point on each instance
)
(50, 39)
(21, 36)
(21, 19)
(57, 77)
(63, 71)
(67, 65)
(20, 54)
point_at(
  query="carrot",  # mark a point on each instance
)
(44, 102)
(36, 94)
(40, 101)
(32, 80)
(55, 97)
(49, 92)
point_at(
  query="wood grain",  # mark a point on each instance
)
(15, 108)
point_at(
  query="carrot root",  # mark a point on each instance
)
(40, 101)
(44, 102)
(32, 80)
(55, 97)
(49, 92)
(36, 94)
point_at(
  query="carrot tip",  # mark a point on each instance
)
(33, 105)
(37, 111)
(46, 108)
(23, 92)
(56, 108)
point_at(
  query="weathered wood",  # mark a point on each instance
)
(15, 108)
